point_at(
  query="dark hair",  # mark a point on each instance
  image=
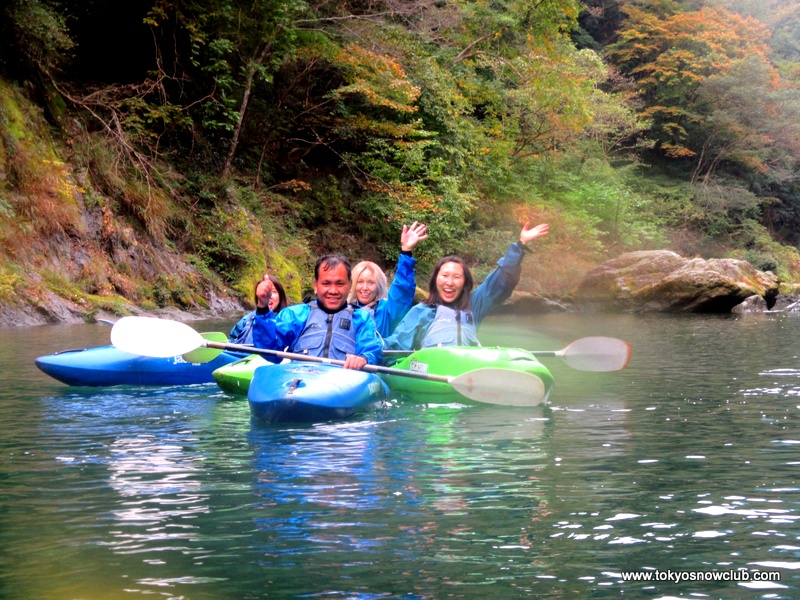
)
(282, 301)
(463, 302)
(331, 261)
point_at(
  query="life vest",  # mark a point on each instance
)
(328, 335)
(246, 335)
(451, 327)
(370, 308)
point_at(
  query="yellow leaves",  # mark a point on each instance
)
(676, 151)
(694, 44)
(43, 197)
(379, 128)
(407, 199)
(377, 78)
(10, 280)
(292, 185)
(753, 162)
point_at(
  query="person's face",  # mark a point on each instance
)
(366, 287)
(274, 300)
(450, 282)
(332, 286)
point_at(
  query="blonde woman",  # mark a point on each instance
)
(371, 292)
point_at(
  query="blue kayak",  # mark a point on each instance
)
(108, 365)
(303, 392)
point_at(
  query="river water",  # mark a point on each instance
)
(683, 466)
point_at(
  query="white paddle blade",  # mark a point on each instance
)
(159, 338)
(598, 354)
(500, 386)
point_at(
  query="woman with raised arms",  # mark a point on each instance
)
(452, 312)
(369, 289)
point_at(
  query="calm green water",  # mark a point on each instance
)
(686, 461)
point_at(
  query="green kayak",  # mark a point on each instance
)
(457, 360)
(235, 377)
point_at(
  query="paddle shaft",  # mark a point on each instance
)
(148, 336)
(330, 361)
(594, 353)
(543, 353)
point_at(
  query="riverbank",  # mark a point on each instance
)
(56, 310)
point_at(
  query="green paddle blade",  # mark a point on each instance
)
(204, 355)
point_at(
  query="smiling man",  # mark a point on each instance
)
(326, 327)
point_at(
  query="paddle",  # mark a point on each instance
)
(593, 354)
(200, 355)
(584, 354)
(206, 354)
(147, 336)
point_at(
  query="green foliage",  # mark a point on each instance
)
(671, 56)
(339, 122)
(10, 279)
(759, 247)
(169, 290)
(41, 195)
(617, 214)
(38, 33)
(724, 209)
(226, 43)
(220, 241)
(761, 260)
(143, 196)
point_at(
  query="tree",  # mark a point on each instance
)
(671, 57)
(751, 124)
(232, 44)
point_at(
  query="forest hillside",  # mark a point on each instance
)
(164, 154)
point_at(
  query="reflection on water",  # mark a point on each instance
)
(414, 488)
(684, 462)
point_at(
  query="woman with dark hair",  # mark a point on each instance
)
(242, 332)
(452, 312)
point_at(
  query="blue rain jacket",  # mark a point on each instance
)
(281, 331)
(389, 311)
(242, 332)
(492, 292)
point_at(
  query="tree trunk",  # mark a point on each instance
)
(248, 87)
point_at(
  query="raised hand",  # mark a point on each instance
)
(412, 235)
(264, 291)
(529, 233)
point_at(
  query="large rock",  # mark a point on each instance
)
(663, 281)
(525, 303)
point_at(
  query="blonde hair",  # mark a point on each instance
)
(380, 279)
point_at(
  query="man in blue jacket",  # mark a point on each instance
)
(326, 327)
